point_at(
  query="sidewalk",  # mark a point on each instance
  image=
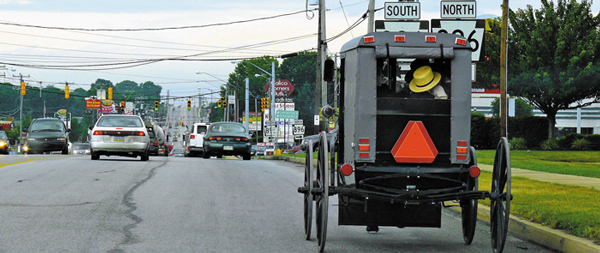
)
(551, 238)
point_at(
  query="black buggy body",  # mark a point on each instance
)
(403, 139)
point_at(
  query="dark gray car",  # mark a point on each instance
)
(47, 135)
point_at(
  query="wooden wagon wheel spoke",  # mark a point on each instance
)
(323, 198)
(308, 197)
(500, 196)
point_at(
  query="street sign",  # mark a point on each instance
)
(298, 129)
(287, 114)
(298, 137)
(402, 10)
(316, 120)
(298, 122)
(231, 99)
(92, 103)
(458, 9)
(472, 29)
(285, 106)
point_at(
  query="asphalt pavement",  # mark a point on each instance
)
(542, 235)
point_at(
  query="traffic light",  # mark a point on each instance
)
(23, 89)
(189, 104)
(267, 103)
(262, 104)
(67, 91)
(110, 93)
(224, 103)
(156, 105)
(122, 109)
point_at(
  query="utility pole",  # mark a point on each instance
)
(321, 90)
(23, 92)
(503, 77)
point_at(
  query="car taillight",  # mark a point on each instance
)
(141, 133)
(154, 144)
(97, 132)
(241, 139)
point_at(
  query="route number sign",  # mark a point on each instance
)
(471, 29)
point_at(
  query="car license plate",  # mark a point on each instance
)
(119, 138)
(227, 147)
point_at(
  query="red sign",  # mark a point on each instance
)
(92, 103)
(283, 88)
(414, 145)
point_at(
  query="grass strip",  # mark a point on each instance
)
(570, 208)
(577, 163)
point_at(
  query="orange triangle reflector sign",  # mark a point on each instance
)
(414, 145)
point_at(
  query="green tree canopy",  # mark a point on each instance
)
(556, 56)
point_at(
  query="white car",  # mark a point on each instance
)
(196, 139)
(122, 135)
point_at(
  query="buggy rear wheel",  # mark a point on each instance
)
(500, 196)
(469, 206)
(323, 186)
(308, 197)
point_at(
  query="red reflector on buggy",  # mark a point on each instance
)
(400, 38)
(414, 145)
(347, 169)
(461, 150)
(363, 140)
(461, 157)
(462, 143)
(369, 39)
(363, 155)
(364, 147)
(474, 171)
(461, 41)
(430, 39)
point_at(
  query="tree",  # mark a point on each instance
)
(557, 57)
(522, 108)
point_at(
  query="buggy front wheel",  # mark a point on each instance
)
(323, 194)
(469, 206)
(308, 185)
(500, 196)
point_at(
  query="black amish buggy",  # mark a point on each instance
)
(402, 146)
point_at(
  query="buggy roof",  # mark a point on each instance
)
(414, 45)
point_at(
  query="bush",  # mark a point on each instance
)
(549, 145)
(581, 144)
(518, 143)
(565, 142)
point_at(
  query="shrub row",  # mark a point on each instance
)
(526, 133)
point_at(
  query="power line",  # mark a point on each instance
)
(149, 29)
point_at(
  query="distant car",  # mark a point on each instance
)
(47, 135)
(253, 150)
(177, 152)
(80, 149)
(122, 135)
(227, 138)
(4, 143)
(196, 140)
(153, 148)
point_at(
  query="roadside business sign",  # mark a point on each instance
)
(93, 103)
(283, 88)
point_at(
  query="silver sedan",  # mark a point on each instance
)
(122, 135)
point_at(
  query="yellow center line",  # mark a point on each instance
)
(26, 161)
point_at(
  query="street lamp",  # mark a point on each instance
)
(272, 74)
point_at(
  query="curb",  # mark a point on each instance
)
(527, 230)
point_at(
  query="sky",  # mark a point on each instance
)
(79, 41)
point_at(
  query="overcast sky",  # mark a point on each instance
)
(280, 27)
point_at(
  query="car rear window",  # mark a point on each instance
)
(231, 128)
(201, 129)
(108, 121)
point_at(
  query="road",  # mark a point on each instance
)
(54, 203)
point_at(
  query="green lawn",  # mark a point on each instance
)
(579, 163)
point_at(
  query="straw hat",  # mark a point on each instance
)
(424, 79)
